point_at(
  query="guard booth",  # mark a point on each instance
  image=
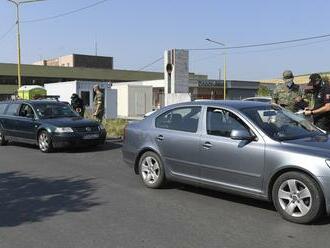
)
(85, 90)
(30, 92)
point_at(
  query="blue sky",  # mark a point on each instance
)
(138, 32)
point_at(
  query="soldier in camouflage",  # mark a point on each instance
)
(288, 94)
(98, 104)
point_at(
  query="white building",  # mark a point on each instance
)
(85, 90)
(136, 98)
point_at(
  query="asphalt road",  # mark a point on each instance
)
(90, 198)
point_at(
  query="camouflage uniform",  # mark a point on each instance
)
(286, 97)
(99, 106)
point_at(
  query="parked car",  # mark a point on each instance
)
(254, 149)
(49, 124)
(259, 99)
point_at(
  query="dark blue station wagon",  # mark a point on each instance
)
(49, 124)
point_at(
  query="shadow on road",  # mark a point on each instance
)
(224, 196)
(324, 220)
(25, 199)
(76, 149)
(86, 149)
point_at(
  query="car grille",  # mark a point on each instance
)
(86, 129)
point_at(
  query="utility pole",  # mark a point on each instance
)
(17, 3)
(96, 48)
(224, 68)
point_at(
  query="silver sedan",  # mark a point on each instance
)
(249, 148)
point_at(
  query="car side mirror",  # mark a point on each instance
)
(242, 135)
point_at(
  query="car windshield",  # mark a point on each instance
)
(54, 110)
(280, 124)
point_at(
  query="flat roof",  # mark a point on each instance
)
(78, 73)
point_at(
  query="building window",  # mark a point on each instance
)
(85, 96)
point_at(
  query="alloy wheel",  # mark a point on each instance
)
(295, 198)
(44, 142)
(150, 170)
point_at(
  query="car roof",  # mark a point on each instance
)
(259, 97)
(32, 102)
(235, 104)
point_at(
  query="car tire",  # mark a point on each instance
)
(298, 197)
(3, 140)
(151, 170)
(45, 142)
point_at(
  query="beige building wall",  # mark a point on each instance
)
(299, 79)
(66, 61)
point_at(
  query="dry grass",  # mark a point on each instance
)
(114, 127)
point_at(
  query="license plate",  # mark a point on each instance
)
(91, 136)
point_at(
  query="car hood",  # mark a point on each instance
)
(70, 122)
(317, 144)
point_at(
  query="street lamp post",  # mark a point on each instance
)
(17, 3)
(224, 68)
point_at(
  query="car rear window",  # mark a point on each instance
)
(13, 109)
(3, 107)
(180, 119)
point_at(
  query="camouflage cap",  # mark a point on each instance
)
(288, 75)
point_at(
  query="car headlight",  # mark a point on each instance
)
(63, 130)
(101, 127)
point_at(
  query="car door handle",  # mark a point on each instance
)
(160, 138)
(207, 145)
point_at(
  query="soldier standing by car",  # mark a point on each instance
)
(77, 104)
(98, 104)
(321, 97)
(287, 94)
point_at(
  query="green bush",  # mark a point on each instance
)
(263, 91)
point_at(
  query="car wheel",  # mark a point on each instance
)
(45, 142)
(3, 140)
(151, 170)
(297, 197)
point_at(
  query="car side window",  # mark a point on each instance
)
(13, 109)
(26, 111)
(221, 122)
(180, 119)
(3, 107)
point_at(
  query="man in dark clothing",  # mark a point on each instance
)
(321, 97)
(78, 104)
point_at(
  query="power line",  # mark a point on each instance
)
(7, 32)
(260, 51)
(65, 13)
(261, 44)
(152, 63)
